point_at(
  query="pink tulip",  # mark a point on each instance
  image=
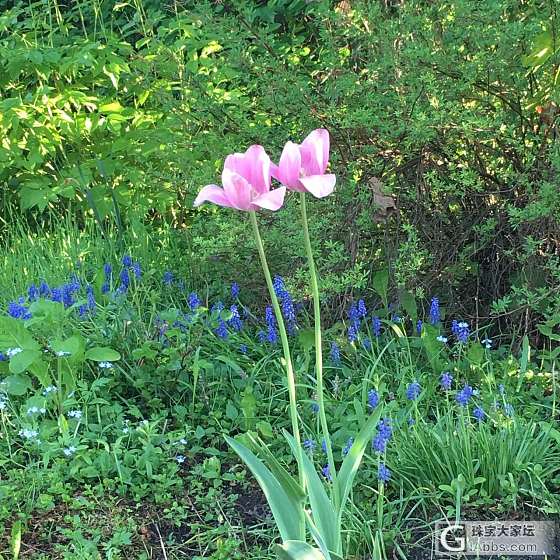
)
(246, 183)
(302, 166)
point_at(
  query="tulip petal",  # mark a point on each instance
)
(272, 200)
(315, 152)
(212, 193)
(253, 166)
(289, 166)
(237, 189)
(319, 185)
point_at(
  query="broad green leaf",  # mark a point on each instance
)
(16, 385)
(306, 337)
(351, 463)
(409, 304)
(297, 550)
(286, 480)
(380, 283)
(102, 354)
(13, 334)
(287, 512)
(21, 361)
(323, 512)
(15, 540)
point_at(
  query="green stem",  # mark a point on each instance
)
(319, 350)
(287, 357)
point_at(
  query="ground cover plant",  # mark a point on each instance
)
(396, 365)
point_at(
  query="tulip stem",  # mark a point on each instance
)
(319, 350)
(287, 357)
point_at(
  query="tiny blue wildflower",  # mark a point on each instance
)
(18, 311)
(234, 290)
(194, 301)
(180, 459)
(442, 339)
(347, 446)
(127, 261)
(434, 311)
(335, 353)
(460, 330)
(324, 445)
(327, 472)
(464, 395)
(352, 333)
(384, 429)
(314, 407)
(107, 270)
(379, 444)
(243, 348)
(501, 389)
(309, 445)
(479, 413)
(44, 290)
(125, 280)
(446, 380)
(235, 321)
(373, 398)
(168, 278)
(508, 410)
(32, 292)
(376, 326)
(413, 391)
(362, 311)
(137, 269)
(221, 330)
(366, 344)
(419, 327)
(105, 365)
(383, 473)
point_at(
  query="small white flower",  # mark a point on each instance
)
(49, 389)
(182, 441)
(11, 352)
(180, 459)
(462, 325)
(62, 353)
(75, 414)
(69, 451)
(3, 404)
(126, 430)
(28, 433)
(105, 365)
(487, 343)
(32, 410)
(42, 410)
(441, 338)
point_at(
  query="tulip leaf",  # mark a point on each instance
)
(286, 480)
(324, 514)
(351, 463)
(286, 510)
(297, 550)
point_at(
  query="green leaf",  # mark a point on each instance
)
(286, 480)
(306, 337)
(380, 283)
(297, 550)
(409, 304)
(351, 463)
(102, 354)
(13, 334)
(526, 355)
(323, 512)
(15, 540)
(17, 384)
(287, 512)
(264, 428)
(475, 353)
(21, 361)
